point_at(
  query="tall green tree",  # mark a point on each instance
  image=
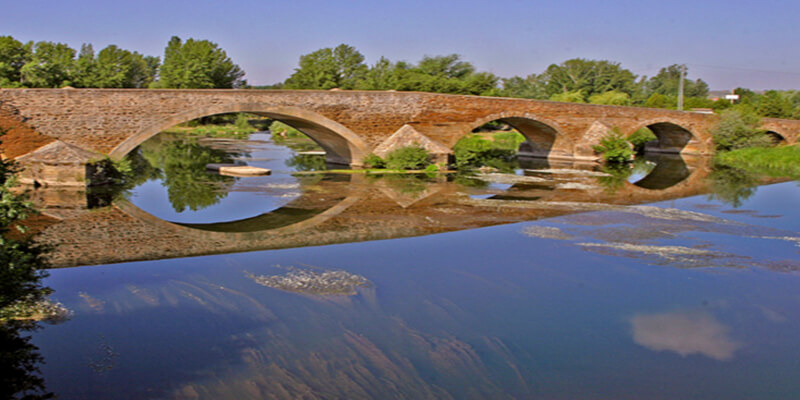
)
(83, 74)
(774, 104)
(50, 66)
(197, 64)
(341, 67)
(119, 68)
(668, 79)
(380, 76)
(528, 88)
(13, 55)
(589, 77)
(445, 74)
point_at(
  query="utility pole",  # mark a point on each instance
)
(680, 87)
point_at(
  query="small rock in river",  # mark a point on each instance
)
(309, 281)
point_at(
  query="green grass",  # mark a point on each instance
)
(781, 161)
(226, 131)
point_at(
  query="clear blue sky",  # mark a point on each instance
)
(727, 43)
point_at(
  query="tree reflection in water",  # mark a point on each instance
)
(182, 165)
(732, 185)
(22, 266)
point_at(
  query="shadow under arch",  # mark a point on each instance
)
(543, 138)
(776, 138)
(341, 145)
(672, 137)
(302, 213)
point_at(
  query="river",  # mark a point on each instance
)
(674, 280)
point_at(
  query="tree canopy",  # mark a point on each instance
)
(342, 67)
(197, 64)
(668, 79)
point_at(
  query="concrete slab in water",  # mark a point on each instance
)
(238, 170)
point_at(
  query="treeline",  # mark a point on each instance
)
(198, 64)
(576, 80)
(190, 64)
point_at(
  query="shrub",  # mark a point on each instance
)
(242, 122)
(738, 128)
(639, 138)
(373, 160)
(409, 157)
(614, 148)
(278, 128)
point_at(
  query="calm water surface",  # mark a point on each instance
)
(688, 297)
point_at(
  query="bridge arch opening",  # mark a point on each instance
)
(776, 139)
(510, 136)
(341, 145)
(670, 137)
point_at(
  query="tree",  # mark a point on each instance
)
(588, 77)
(119, 68)
(380, 76)
(774, 105)
(569, 97)
(50, 66)
(342, 67)
(13, 55)
(197, 64)
(657, 100)
(84, 69)
(527, 88)
(612, 97)
(445, 74)
(738, 127)
(667, 80)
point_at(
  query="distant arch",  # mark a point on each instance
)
(341, 145)
(544, 138)
(672, 136)
(776, 138)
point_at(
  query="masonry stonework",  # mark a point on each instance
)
(347, 124)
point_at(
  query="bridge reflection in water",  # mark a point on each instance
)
(353, 208)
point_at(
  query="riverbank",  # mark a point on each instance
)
(776, 162)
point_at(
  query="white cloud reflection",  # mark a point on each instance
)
(685, 333)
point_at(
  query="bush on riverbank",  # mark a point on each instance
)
(238, 126)
(283, 131)
(640, 138)
(412, 157)
(738, 128)
(614, 148)
(771, 161)
(498, 151)
(22, 262)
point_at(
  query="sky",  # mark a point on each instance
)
(728, 44)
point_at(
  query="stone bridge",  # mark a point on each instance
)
(55, 127)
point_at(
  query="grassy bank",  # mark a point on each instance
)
(226, 131)
(781, 161)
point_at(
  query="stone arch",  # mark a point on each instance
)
(544, 137)
(341, 145)
(776, 138)
(672, 136)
